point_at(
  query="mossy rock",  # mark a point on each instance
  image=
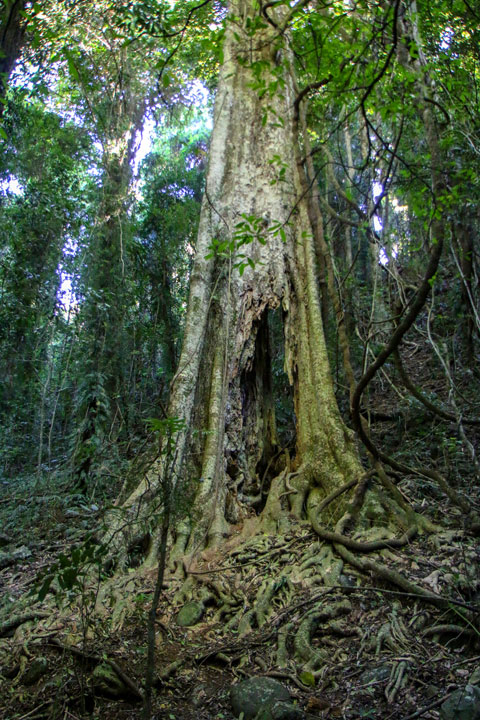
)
(462, 705)
(280, 710)
(107, 682)
(190, 614)
(257, 694)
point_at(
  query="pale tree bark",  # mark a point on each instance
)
(222, 387)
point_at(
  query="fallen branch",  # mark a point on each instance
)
(381, 571)
(170, 670)
(364, 547)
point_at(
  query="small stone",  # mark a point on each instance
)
(38, 668)
(462, 705)
(256, 694)
(347, 581)
(375, 675)
(190, 614)
(107, 682)
(22, 553)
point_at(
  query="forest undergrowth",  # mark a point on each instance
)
(346, 643)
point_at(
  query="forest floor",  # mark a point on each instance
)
(382, 654)
(388, 656)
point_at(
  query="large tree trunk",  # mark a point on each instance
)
(101, 402)
(12, 33)
(222, 388)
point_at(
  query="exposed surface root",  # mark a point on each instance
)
(319, 617)
(297, 605)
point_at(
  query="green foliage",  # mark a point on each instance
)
(71, 571)
(36, 221)
(168, 429)
(247, 231)
(80, 377)
(307, 678)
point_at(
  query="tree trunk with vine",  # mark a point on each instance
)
(254, 254)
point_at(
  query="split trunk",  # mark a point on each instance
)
(254, 256)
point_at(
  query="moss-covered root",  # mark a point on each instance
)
(282, 651)
(322, 567)
(304, 650)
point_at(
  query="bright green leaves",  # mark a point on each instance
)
(268, 80)
(251, 25)
(72, 67)
(247, 231)
(307, 678)
(282, 167)
(219, 248)
(271, 110)
(165, 426)
(167, 429)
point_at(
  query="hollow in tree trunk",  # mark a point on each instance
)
(254, 254)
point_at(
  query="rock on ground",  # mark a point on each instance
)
(462, 705)
(252, 695)
(279, 710)
(190, 614)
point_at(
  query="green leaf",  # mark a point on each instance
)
(307, 678)
(68, 578)
(71, 65)
(64, 561)
(45, 588)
